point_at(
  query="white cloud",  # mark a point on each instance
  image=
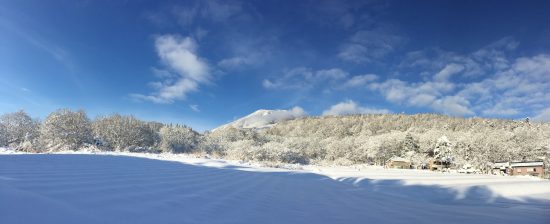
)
(330, 74)
(435, 95)
(447, 72)
(305, 78)
(412, 94)
(453, 105)
(544, 115)
(268, 84)
(195, 107)
(295, 112)
(179, 56)
(500, 110)
(163, 74)
(492, 58)
(504, 86)
(536, 68)
(351, 107)
(248, 51)
(360, 80)
(353, 52)
(487, 82)
(177, 90)
(422, 99)
(520, 88)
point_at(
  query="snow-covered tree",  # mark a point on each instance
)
(124, 132)
(333, 139)
(411, 150)
(376, 138)
(443, 150)
(66, 129)
(278, 152)
(410, 144)
(3, 135)
(178, 139)
(19, 128)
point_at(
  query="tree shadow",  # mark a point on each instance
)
(469, 195)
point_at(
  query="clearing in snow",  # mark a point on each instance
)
(80, 188)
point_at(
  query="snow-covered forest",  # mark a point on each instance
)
(342, 140)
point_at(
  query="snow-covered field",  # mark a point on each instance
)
(144, 188)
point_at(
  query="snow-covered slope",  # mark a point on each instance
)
(264, 118)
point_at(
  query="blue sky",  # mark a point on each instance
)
(205, 63)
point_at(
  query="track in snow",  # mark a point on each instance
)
(119, 189)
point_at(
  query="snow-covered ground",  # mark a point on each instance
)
(145, 188)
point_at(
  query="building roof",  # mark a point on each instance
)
(399, 159)
(528, 163)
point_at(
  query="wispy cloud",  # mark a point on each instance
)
(194, 107)
(544, 115)
(235, 62)
(304, 78)
(34, 32)
(505, 86)
(488, 82)
(447, 72)
(360, 80)
(211, 10)
(179, 56)
(367, 45)
(351, 107)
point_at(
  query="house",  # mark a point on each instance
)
(528, 168)
(398, 163)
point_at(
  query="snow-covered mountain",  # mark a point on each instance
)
(264, 118)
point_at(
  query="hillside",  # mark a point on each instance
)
(375, 138)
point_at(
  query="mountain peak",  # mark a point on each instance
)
(263, 118)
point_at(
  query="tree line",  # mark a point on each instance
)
(65, 129)
(344, 140)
